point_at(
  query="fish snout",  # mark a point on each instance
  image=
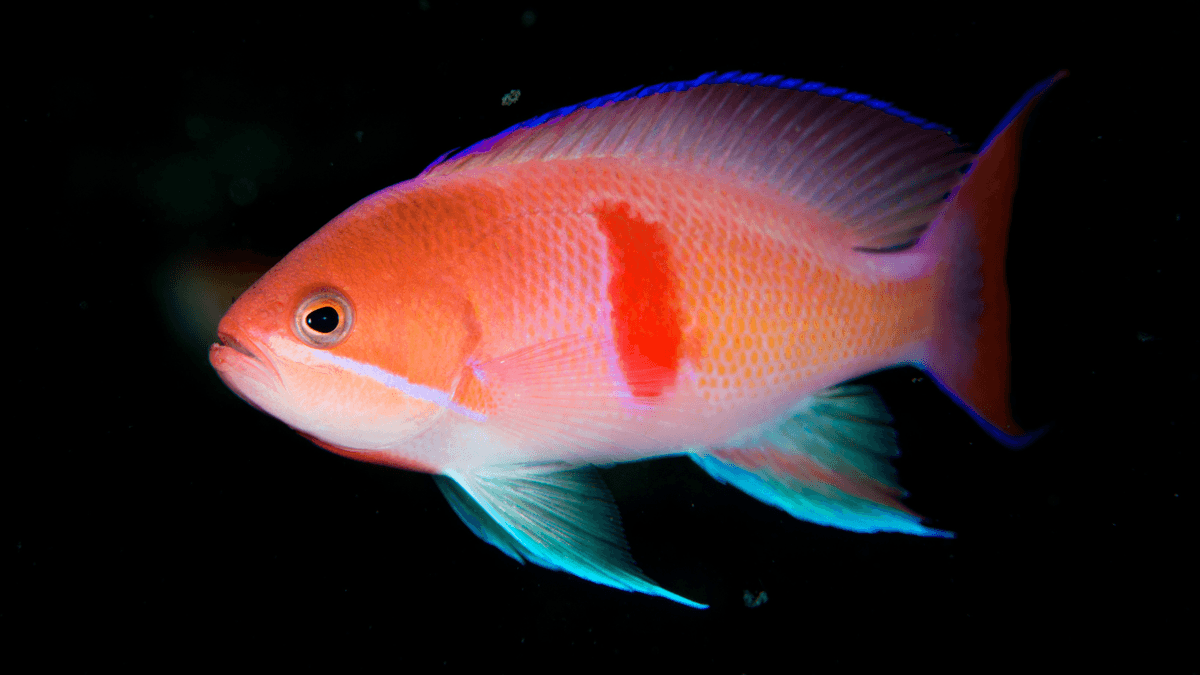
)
(227, 340)
(236, 356)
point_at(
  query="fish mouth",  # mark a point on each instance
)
(241, 356)
(227, 340)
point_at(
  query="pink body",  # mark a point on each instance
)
(677, 273)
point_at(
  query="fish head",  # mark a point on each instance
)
(340, 343)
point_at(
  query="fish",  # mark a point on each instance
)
(700, 268)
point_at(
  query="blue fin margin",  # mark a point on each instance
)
(735, 77)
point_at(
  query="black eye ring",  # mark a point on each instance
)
(323, 319)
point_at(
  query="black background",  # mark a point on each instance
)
(150, 513)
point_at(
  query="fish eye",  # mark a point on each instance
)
(323, 319)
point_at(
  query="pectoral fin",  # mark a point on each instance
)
(561, 519)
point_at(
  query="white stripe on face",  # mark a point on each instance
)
(389, 380)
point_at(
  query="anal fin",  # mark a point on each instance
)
(827, 464)
(558, 518)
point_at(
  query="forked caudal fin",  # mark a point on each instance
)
(969, 353)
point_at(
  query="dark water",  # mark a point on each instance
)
(150, 509)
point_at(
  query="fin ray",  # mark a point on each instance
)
(558, 518)
(969, 356)
(877, 172)
(569, 395)
(827, 464)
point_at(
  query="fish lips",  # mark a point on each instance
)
(244, 366)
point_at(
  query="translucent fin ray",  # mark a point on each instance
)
(827, 464)
(559, 518)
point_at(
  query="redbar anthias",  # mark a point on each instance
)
(693, 268)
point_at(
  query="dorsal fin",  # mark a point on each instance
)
(879, 172)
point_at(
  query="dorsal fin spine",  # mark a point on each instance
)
(736, 77)
(822, 148)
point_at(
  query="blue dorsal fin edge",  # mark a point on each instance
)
(735, 77)
(1037, 90)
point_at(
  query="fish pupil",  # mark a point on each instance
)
(324, 320)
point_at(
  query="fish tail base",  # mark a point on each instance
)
(969, 354)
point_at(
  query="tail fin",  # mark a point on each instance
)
(969, 354)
